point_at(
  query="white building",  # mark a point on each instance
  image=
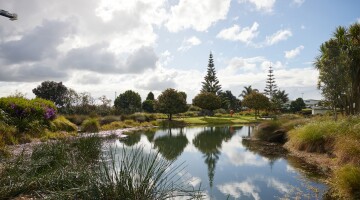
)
(309, 103)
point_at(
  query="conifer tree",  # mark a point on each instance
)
(271, 87)
(211, 83)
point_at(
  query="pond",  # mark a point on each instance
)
(226, 165)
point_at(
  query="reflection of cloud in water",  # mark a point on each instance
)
(290, 169)
(189, 179)
(237, 156)
(279, 186)
(237, 189)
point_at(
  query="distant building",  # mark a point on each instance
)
(319, 110)
(309, 103)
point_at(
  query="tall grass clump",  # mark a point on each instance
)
(51, 170)
(270, 131)
(136, 174)
(90, 125)
(79, 169)
(318, 136)
(345, 182)
(63, 124)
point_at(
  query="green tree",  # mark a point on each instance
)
(150, 96)
(279, 98)
(270, 88)
(208, 101)
(247, 90)
(297, 105)
(128, 102)
(229, 101)
(52, 91)
(148, 106)
(339, 69)
(171, 102)
(211, 83)
(256, 101)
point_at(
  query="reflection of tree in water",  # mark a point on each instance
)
(131, 139)
(209, 142)
(171, 146)
(150, 134)
(270, 151)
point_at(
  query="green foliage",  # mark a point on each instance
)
(171, 102)
(256, 101)
(148, 106)
(52, 91)
(271, 131)
(346, 182)
(194, 108)
(90, 125)
(229, 101)
(211, 82)
(317, 136)
(279, 98)
(207, 100)
(297, 105)
(77, 169)
(25, 114)
(270, 88)
(128, 102)
(108, 119)
(63, 124)
(338, 65)
(150, 96)
(76, 119)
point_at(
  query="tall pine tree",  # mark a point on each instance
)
(211, 83)
(270, 88)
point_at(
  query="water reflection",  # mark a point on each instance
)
(229, 165)
(209, 143)
(171, 146)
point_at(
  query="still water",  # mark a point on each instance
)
(229, 166)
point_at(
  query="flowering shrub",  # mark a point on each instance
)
(23, 111)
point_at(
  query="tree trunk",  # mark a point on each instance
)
(170, 117)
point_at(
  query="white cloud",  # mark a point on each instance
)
(237, 189)
(236, 33)
(303, 27)
(294, 52)
(245, 64)
(189, 43)
(358, 20)
(298, 2)
(261, 5)
(198, 15)
(278, 36)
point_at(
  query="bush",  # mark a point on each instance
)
(22, 112)
(109, 119)
(76, 119)
(90, 125)
(346, 182)
(63, 124)
(194, 108)
(271, 131)
(317, 136)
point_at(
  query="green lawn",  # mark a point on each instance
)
(219, 120)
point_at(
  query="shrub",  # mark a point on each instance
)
(22, 112)
(271, 131)
(113, 126)
(90, 125)
(109, 119)
(76, 119)
(317, 136)
(194, 108)
(63, 124)
(346, 182)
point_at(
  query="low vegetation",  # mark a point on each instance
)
(78, 169)
(338, 140)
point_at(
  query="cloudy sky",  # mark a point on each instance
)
(108, 46)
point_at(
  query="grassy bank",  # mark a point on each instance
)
(78, 169)
(219, 120)
(325, 142)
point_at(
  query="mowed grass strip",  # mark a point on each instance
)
(219, 120)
